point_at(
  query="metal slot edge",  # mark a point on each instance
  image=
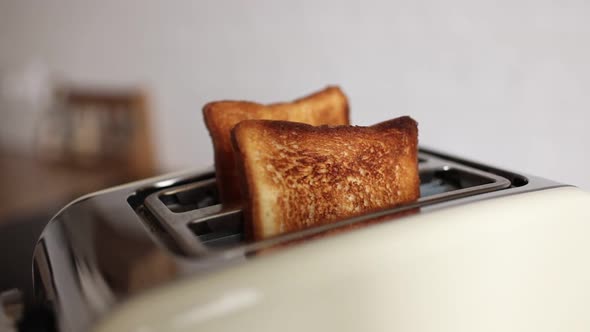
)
(176, 224)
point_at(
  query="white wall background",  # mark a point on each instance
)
(506, 82)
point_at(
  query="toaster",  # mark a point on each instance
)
(483, 248)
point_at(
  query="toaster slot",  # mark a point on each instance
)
(191, 213)
(191, 196)
(433, 182)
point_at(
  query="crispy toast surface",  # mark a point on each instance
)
(328, 106)
(297, 175)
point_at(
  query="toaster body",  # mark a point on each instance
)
(483, 248)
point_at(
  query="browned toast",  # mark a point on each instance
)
(297, 175)
(328, 106)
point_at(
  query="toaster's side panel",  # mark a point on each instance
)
(514, 263)
(52, 271)
(94, 254)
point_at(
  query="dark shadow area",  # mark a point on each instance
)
(17, 242)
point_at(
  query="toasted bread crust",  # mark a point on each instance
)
(328, 106)
(297, 175)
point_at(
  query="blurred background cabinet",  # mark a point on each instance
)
(89, 139)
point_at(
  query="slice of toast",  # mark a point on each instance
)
(296, 175)
(328, 106)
